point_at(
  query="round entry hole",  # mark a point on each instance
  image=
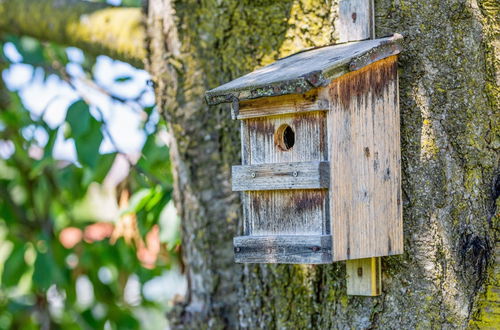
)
(284, 137)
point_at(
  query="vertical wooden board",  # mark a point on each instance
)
(364, 277)
(284, 212)
(310, 138)
(363, 129)
(356, 20)
(245, 154)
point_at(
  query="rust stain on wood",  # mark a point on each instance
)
(373, 77)
(261, 126)
(307, 200)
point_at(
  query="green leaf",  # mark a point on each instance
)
(78, 118)
(30, 49)
(131, 3)
(87, 144)
(15, 266)
(44, 271)
(104, 163)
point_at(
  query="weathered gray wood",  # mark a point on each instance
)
(287, 212)
(304, 71)
(298, 175)
(356, 20)
(364, 277)
(279, 105)
(365, 193)
(306, 249)
(310, 138)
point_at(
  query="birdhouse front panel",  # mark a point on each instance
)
(285, 162)
(320, 172)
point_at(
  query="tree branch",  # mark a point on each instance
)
(97, 28)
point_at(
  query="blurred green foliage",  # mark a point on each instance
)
(40, 196)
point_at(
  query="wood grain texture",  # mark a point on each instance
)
(305, 249)
(298, 175)
(364, 277)
(310, 138)
(356, 20)
(288, 212)
(365, 193)
(272, 106)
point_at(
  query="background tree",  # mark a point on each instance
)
(449, 92)
(77, 238)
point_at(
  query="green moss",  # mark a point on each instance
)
(488, 307)
(95, 27)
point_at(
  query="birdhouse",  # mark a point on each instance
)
(320, 175)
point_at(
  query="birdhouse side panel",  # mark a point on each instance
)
(364, 139)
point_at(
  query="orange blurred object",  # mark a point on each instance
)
(126, 227)
(70, 236)
(98, 231)
(148, 253)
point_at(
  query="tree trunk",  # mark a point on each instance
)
(450, 139)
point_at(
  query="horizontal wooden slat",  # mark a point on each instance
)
(279, 105)
(289, 249)
(279, 176)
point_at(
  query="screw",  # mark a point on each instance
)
(253, 174)
(295, 173)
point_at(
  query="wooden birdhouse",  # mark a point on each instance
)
(320, 175)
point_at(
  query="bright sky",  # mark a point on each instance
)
(53, 96)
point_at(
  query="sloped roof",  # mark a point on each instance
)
(303, 71)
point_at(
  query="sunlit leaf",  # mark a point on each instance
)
(15, 266)
(88, 142)
(78, 117)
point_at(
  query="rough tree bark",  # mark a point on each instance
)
(449, 94)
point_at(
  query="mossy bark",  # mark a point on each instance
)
(449, 90)
(97, 28)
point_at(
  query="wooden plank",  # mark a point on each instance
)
(288, 212)
(356, 20)
(298, 175)
(289, 249)
(310, 138)
(279, 105)
(364, 277)
(365, 177)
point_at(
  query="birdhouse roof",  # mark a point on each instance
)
(303, 71)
